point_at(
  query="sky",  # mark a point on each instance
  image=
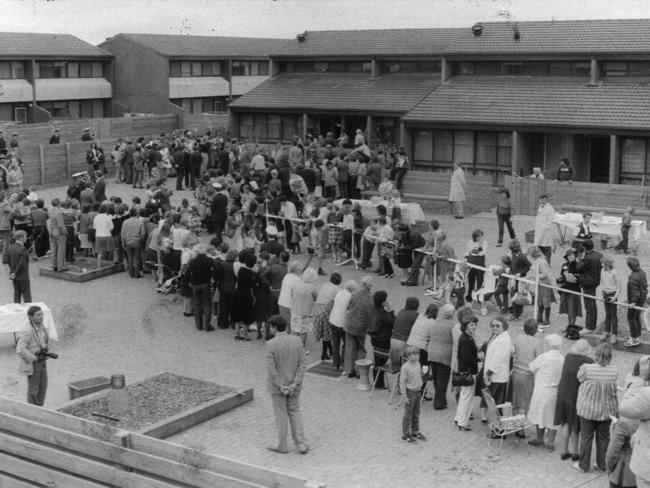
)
(96, 20)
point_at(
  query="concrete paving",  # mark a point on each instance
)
(120, 325)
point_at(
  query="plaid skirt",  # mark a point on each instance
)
(322, 321)
(334, 235)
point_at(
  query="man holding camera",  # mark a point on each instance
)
(32, 349)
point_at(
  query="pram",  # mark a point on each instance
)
(170, 288)
(485, 295)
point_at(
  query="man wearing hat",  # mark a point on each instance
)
(3, 143)
(273, 247)
(219, 208)
(13, 142)
(55, 138)
(86, 135)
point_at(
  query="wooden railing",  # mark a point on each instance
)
(40, 447)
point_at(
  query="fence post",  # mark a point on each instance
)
(42, 161)
(67, 160)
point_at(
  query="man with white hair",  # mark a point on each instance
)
(357, 323)
(547, 368)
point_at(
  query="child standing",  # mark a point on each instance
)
(637, 293)
(410, 383)
(460, 278)
(315, 248)
(501, 292)
(611, 288)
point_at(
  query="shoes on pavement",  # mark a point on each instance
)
(577, 467)
(278, 450)
(409, 439)
(419, 436)
(632, 342)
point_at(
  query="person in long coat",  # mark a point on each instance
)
(457, 191)
(547, 368)
(544, 227)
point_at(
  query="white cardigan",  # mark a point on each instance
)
(497, 358)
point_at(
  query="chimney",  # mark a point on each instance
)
(477, 29)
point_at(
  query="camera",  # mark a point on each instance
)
(44, 353)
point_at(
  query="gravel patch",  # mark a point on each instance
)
(151, 401)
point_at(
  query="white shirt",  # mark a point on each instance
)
(497, 357)
(337, 315)
(103, 225)
(288, 282)
(179, 234)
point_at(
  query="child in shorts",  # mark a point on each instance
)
(410, 383)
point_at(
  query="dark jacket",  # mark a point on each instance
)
(520, 265)
(200, 270)
(309, 176)
(467, 354)
(100, 190)
(274, 248)
(219, 208)
(382, 327)
(225, 276)
(403, 324)
(359, 313)
(18, 261)
(589, 269)
(637, 287)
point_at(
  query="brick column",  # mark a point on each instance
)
(515, 152)
(613, 159)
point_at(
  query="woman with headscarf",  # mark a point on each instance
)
(567, 394)
(547, 368)
(383, 319)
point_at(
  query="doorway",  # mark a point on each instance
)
(352, 124)
(20, 115)
(599, 159)
(329, 124)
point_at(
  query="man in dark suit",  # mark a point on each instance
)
(588, 271)
(18, 260)
(219, 209)
(195, 161)
(100, 187)
(285, 363)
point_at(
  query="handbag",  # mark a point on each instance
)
(462, 379)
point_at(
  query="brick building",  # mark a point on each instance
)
(192, 74)
(52, 75)
(496, 96)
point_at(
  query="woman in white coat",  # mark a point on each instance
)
(544, 227)
(457, 191)
(547, 368)
(496, 368)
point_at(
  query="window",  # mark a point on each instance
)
(186, 68)
(614, 68)
(429, 67)
(487, 68)
(274, 127)
(98, 69)
(246, 125)
(5, 70)
(504, 149)
(255, 68)
(536, 69)
(638, 68)
(354, 67)
(486, 148)
(52, 69)
(559, 69)
(86, 109)
(73, 70)
(85, 70)
(196, 68)
(465, 68)
(303, 67)
(288, 127)
(337, 67)
(260, 127)
(633, 157)
(197, 105)
(464, 147)
(443, 146)
(512, 68)
(264, 68)
(423, 145)
(241, 68)
(581, 69)
(218, 106)
(174, 69)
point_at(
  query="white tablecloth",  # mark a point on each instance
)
(13, 318)
(411, 212)
(607, 225)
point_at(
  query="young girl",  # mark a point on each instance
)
(386, 249)
(475, 254)
(501, 292)
(611, 288)
(334, 232)
(460, 278)
(315, 248)
(570, 303)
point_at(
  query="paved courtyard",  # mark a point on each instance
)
(120, 325)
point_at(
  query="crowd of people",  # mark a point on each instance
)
(228, 251)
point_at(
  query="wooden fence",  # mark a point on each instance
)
(40, 447)
(525, 194)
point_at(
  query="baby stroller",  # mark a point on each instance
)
(485, 295)
(170, 289)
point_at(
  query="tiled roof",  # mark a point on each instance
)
(556, 37)
(394, 93)
(207, 46)
(619, 103)
(15, 44)
(395, 42)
